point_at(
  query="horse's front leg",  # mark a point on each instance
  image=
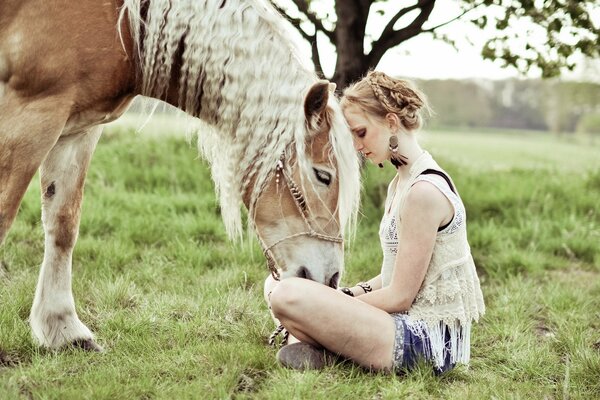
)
(53, 318)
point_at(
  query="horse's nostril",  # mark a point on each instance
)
(304, 273)
(333, 282)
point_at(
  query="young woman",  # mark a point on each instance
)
(428, 293)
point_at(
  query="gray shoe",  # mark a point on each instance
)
(302, 356)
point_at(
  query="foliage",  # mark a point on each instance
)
(566, 26)
(589, 123)
(181, 313)
(547, 105)
(545, 34)
(458, 103)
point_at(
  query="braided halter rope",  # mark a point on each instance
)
(279, 330)
(300, 202)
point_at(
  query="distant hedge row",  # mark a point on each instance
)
(518, 104)
(547, 105)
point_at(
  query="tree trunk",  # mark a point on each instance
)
(351, 63)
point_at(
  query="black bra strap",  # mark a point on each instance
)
(436, 172)
(443, 175)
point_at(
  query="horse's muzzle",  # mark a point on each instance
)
(332, 281)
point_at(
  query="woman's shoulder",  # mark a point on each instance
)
(425, 197)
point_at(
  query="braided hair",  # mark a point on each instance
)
(379, 94)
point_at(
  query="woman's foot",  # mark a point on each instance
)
(302, 356)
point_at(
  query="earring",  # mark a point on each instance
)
(396, 158)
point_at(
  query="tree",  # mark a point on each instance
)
(566, 26)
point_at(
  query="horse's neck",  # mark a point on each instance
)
(227, 66)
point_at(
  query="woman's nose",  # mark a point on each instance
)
(357, 145)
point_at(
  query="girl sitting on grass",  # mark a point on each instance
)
(428, 293)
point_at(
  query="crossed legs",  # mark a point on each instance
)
(322, 316)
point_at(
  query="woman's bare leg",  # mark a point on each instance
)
(319, 315)
(270, 284)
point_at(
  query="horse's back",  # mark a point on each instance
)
(67, 49)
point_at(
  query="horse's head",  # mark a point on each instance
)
(235, 69)
(301, 214)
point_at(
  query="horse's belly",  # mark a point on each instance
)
(84, 120)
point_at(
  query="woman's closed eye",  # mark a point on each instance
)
(361, 133)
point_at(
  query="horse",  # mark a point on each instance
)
(275, 138)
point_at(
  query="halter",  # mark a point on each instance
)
(300, 203)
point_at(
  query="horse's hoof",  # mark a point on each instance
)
(87, 345)
(304, 356)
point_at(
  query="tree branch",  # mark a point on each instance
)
(316, 58)
(391, 37)
(294, 21)
(312, 39)
(389, 28)
(453, 19)
(312, 17)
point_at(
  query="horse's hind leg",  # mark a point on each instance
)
(53, 319)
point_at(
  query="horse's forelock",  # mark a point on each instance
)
(348, 168)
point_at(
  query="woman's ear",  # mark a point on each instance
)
(393, 122)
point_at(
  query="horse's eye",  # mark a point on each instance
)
(323, 176)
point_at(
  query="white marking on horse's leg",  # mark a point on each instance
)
(53, 319)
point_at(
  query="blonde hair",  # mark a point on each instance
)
(378, 94)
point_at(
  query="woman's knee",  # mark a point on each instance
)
(286, 297)
(268, 287)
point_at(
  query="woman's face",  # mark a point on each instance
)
(370, 138)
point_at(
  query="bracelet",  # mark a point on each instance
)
(347, 291)
(365, 286)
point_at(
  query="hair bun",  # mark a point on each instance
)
(380, 94)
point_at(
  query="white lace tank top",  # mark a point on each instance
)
(388, 229)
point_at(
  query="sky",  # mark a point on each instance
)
(428, 58)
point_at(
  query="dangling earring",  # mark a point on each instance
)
(396, 158)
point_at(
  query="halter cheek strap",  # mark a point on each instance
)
(300, 202)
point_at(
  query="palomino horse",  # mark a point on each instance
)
(277, 140)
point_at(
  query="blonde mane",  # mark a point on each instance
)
(241, 76)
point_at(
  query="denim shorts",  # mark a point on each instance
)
(409, 348)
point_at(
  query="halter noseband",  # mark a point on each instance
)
(300, 203)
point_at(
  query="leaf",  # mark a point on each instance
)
(480, 22)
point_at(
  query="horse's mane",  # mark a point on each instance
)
(242, 77)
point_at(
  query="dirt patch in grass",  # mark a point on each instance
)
(543, 331)
(6, 361)
(249, 381)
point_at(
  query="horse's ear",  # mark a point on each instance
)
(315, 104)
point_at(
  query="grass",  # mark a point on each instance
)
(180, 308)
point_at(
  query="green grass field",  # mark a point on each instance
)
(180, 311)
